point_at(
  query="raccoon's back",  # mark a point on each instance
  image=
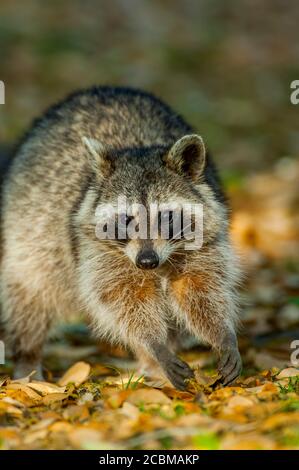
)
(120, 117)
(51, 160)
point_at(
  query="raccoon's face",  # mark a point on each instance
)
(153, 198)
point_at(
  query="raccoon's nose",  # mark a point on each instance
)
(147, 259)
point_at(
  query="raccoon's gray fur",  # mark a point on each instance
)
(94, 146)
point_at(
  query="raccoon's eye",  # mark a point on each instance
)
(165, 217)
(170, 222)
(165, 223)
(125, 219)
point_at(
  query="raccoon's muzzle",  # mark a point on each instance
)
(147, 259)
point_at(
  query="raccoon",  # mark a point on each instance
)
(86, 151)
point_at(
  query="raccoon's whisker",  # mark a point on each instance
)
(175, 253)
(172, 264)
(184, 228)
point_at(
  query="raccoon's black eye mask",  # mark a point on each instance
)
(169, 223)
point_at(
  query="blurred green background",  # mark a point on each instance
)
(225, 65)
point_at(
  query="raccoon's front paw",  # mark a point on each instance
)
(176, 370)
(230, 364)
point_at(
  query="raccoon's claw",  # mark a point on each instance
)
(178, 372)
(230, 365)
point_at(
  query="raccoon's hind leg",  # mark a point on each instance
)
(26, 324)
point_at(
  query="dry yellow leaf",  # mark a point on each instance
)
(77, 374)
(60, 427)
(76, 412)
(11, 401)
(9, 409)
(280, 420)
(24, 388)
(54, 398)
(226, 392)
(267, 391)
(148, 396)
(288, 372)
(45, 387)
(117, 398)
(22, 397)
(178, 394)
(239, 403)
(203, 382)
(33, 436)
(9, 436)
(129, 410)
(24, 380)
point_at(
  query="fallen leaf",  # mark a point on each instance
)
(32, 436)
(54, 398)
(26, 379)
(148, 396)
(76, 413)
(116, 398)
(280, 420)
(238, 403)
(9, 409)
(267, 391)
(288, 372)
(129, 410)
(45, 387)
(22, 396)
(24, 388)
(178, 394)
(77, 374)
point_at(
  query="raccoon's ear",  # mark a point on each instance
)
(187, 156)
(99, 158)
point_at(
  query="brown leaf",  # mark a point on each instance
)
(178, 394)
(23, 397)
(77, 374)
(76, 412)
(280, 420)
(239, 403)
(32, 394)
(54, 398)
(9, 409)
(288, 372)
(148, 396)
(44, 388)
